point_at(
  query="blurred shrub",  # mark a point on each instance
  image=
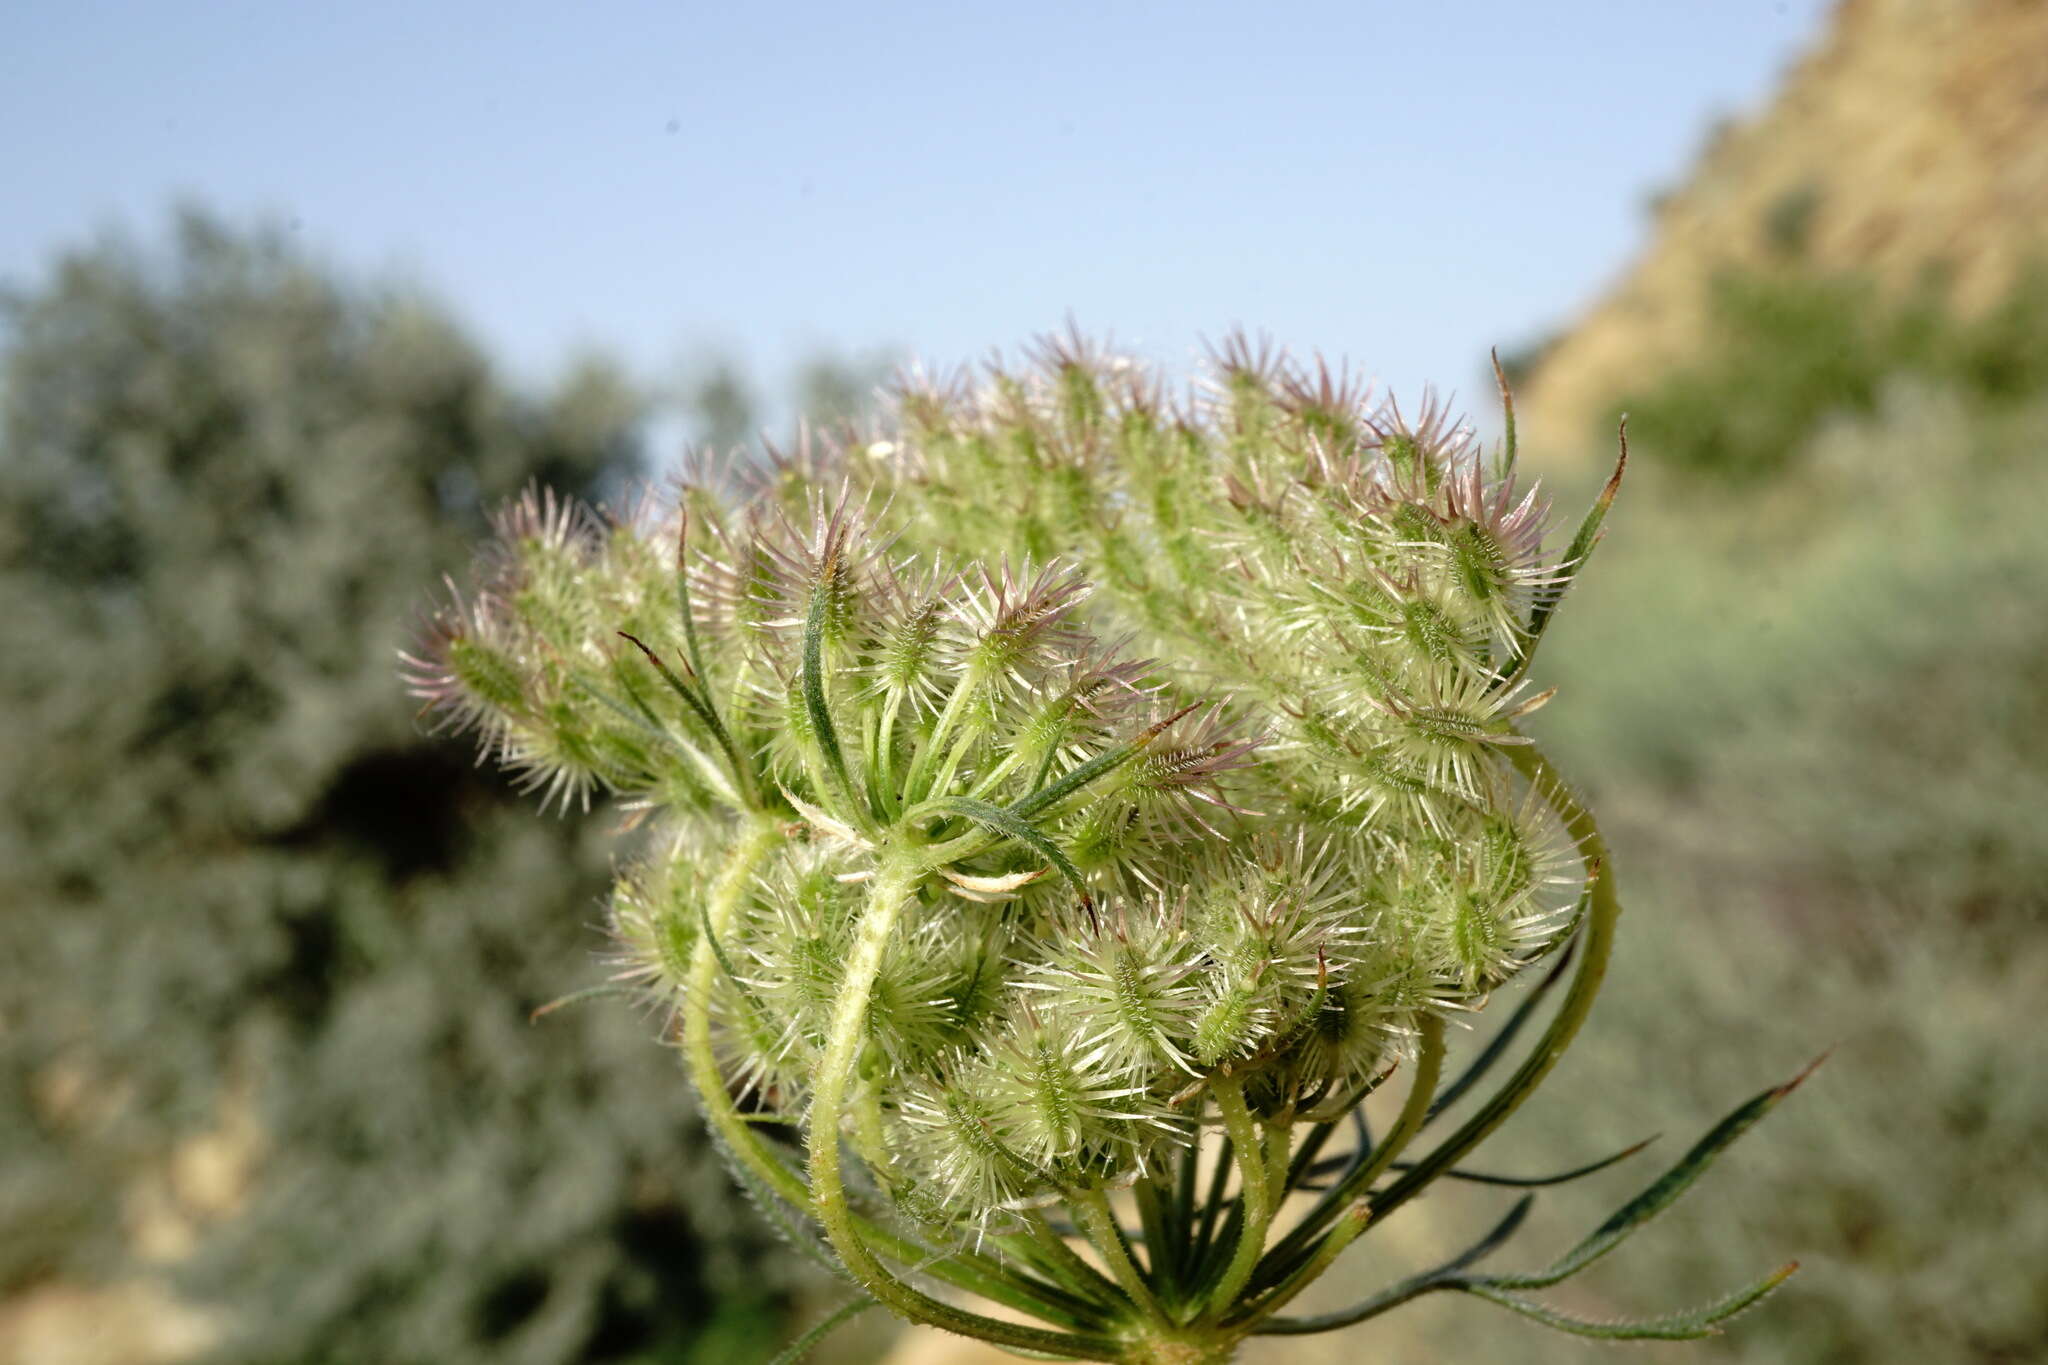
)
(245, 896)
(1788, 350)
(724, 408)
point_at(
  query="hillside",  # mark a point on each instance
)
(1913, 139)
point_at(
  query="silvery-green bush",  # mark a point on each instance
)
(1070, 806)
(242, 893)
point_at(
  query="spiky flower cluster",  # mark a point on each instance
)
(1372, 589)
(948, 882)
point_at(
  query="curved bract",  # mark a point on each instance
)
(984, 934)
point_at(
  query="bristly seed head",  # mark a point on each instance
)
(1270, 854)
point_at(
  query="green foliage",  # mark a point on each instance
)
(237, 876)
(1788, 351)
(1788, 219)
(725, 409)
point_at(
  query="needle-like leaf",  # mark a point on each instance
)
(1006, 822)
(1429, 1281)
(1103, 763)
(1698, 1322)
(1661, 1194)
(1335, 1165)
(1575, 556)
(803, 1345)
(1504, 1038)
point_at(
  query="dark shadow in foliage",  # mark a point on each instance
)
(239, 882)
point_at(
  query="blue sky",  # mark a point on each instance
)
(1402, 185)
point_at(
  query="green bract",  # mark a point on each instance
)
(999, 921)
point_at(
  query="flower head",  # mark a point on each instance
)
(948, 879)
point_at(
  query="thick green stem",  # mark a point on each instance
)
(750, 849)
(1193, 1348)
(892, 890)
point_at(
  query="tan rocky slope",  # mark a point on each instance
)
(1913, 138)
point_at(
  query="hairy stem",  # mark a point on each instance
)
(1255, 1191)
(1414, 1113)
(1091, 1208)
(750, 849)
(1350, 1212)
(893, 889)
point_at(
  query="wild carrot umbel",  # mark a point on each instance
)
(1011, 965)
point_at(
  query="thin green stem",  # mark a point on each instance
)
(749, 851)
(1065, 1263)
(1156, 1221)
(884, 767)
(1092, 1212)
(1350, 1224)
(1603, 912)
(1414, 1112)
(997, 775)
(1182, 1246)
(1346, 1201)
(918, 785)
(1255, 1192)
(1219, 1175)
(1279, 1143)
(1312, 1144)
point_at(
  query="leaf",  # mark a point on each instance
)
(684, 607)
(1686, 1326)
(642, 717)
(541, 1012)
(1498, 1045)
(1335, 1164)
(1095, 767)
(993, 886)
(1575, 557)
(1530, 1182)
(1661, 1195)
(748, 1000)
(1429, 1281)
(813, 684)
(700, 706)
(1006, 822)
(1495, 1238)
(1506, 468)
(804, 1344)
(827, 825)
